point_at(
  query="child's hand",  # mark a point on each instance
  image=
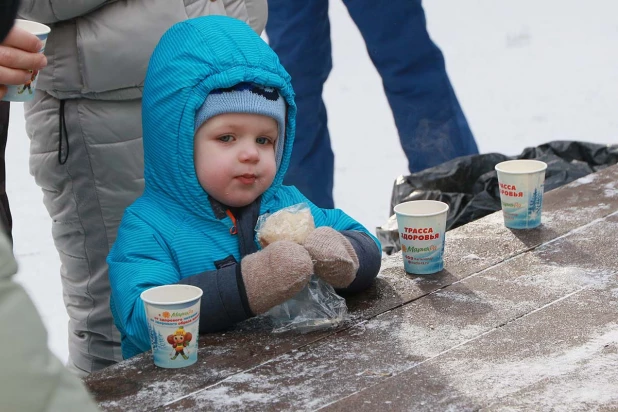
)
(335, 259)
(275, 274)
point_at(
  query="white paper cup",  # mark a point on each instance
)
(422, 225)
(25, 92)
(173, 313)
(521, 192)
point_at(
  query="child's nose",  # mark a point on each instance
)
(249, 153)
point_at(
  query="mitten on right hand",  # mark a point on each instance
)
(275, 274)
(335, 259)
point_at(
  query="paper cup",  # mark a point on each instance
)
(173, 313)
(421, 225)
(25, 92)
(521, 192)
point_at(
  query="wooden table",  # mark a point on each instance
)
(518, 320)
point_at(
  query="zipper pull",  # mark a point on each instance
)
(233, 229)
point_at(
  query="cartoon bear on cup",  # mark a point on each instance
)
(179, 341)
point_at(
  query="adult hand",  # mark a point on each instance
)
(19, 53)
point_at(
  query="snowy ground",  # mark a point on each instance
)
(526, 72)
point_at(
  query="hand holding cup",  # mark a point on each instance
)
(20, 59)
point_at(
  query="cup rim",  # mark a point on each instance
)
(540, 166)
(199, 293)
(36, 27)
(444, 208)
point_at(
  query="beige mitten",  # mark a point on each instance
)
(275, 274)
(335, 260)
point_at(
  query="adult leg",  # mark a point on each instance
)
(431, 125)
(6, 221)
(86, 189)
(299, 32)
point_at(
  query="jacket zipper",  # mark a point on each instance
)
(233, 229)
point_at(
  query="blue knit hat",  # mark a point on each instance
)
(246, 98)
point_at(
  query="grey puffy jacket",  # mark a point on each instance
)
(131, 27)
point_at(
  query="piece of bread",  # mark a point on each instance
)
(286, 225)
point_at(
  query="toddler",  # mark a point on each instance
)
(219, 123)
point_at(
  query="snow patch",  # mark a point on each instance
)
(610, 190)
(221, 397)
(576, 377)
(394, 261)
(583, 180)
(427, 342)
(569, 214)
(472, 256)
(473, 298)
(562, 278)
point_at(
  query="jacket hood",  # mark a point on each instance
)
(192, 59)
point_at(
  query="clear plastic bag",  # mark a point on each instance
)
(317, 306)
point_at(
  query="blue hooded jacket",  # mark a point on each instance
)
(174, 233)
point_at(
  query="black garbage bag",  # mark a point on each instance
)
(469, 184)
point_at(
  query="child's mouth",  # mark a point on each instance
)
(247, 179)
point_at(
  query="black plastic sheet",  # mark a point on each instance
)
(469, 184)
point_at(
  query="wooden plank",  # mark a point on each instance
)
(564, 357)
(561, 357)
(397, 344)
(470, 249)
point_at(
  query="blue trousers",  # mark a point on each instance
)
(431, 125)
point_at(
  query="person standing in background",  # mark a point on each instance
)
(432, 127)
(35, 380)
(86, 140)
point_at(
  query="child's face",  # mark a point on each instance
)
(234, 156)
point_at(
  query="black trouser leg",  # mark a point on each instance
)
(5, 213)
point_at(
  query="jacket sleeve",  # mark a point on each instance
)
(52, 11)
(140, 260)
(224, 301)
(35, 380)
(369, 260)
(366, 246)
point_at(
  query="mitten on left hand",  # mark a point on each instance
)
(334, 258)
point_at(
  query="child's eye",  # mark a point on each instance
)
(225, 138)
(262, 140)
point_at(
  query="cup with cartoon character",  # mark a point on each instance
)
(173, 313)
(25, 92)
(521, 183)
(422, 225)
